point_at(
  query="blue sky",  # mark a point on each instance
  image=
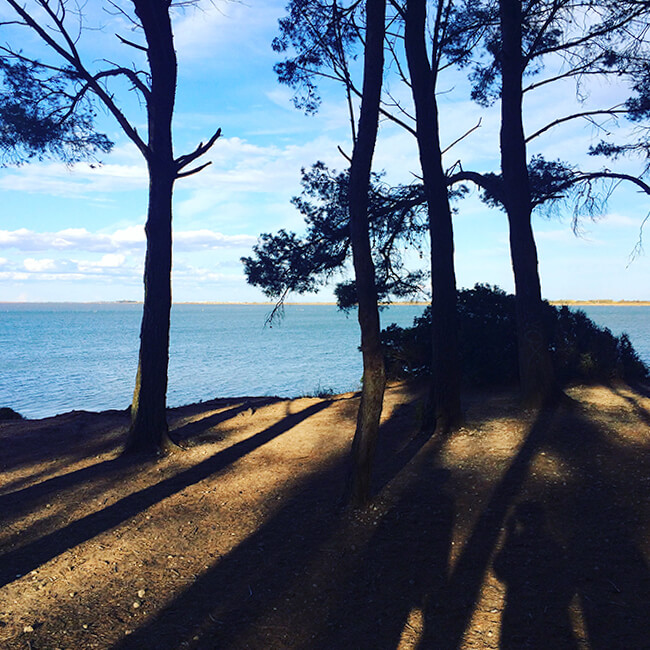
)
(76, 233)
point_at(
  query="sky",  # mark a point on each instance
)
(76, 233)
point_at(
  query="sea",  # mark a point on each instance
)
(58, 357)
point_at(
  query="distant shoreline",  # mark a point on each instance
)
(558, 303)
(600, 303)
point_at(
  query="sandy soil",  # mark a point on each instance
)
(522, 530)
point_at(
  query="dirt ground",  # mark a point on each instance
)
(521, 530)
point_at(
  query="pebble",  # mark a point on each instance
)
(136, 604)
(141, 593)
(28, 628)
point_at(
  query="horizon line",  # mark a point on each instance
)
(558, 302)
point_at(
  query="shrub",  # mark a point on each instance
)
(581, 350)
(9, 414)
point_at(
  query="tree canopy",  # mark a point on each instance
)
(38, 118)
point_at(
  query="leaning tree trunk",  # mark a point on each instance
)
(374, 376)
(446, 359)
(536, 374)
(148, 430)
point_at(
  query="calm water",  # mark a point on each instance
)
(56, 358)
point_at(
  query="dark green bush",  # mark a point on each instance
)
(581, 351)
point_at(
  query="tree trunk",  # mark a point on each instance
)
(446, 359)
(536, 374)
(148, 430)
(374, 376)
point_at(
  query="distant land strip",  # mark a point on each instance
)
(601, 303)
(604, 302)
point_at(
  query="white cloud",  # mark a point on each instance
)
(109, 268)
(616, 220)
(110, 261)
(217, 27)
(39, 266)
(206, 239)
(121, 241)
(75, 181)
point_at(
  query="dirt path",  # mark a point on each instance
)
(521, 530)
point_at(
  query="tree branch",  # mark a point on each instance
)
(183, 161)
(142, 48)
(609, 111)
(589, 176)
(196, 170)
(72, 57)
(462, 137)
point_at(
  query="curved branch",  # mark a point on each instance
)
(131, 75)
(191, 172)
(610, 111)
(183, 161)
(491, 184)
(590, 176)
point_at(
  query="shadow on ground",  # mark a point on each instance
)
(314, 575)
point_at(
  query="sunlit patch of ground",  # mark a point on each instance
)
(517, 520)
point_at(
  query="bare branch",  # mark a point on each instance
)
(131, 75)
(462, 137)
(638, 247)
(345, 155)
(196, 170)
(615, 110)
(183, 161)
(132, 44)
(278, 309)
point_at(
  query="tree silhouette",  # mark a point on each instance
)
(593, 39)
(423, 80)
(283, 262)
(374, 374)
(322, 49)
(59, 26)
(38, 120)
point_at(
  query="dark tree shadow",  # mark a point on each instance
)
(21, 560)
(22, 501)
(448, 614)
(404, 565)
(605, 515)
(612, 578)
(198, 431)
(366, 594)
(97, 433)
(639, 411)
(539, 584)
(230, 601)
(227, 600)
(400, 439)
